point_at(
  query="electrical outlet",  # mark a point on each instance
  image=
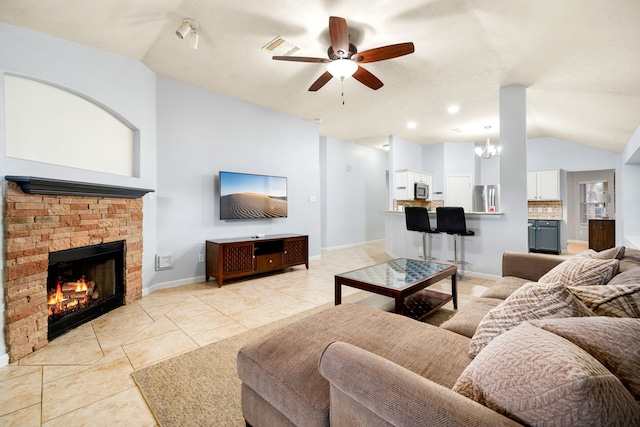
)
(530, 209)
(539, 209)
(549, 210)
(200, 257)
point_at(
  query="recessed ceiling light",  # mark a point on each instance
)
(411, 125)
(453, 109)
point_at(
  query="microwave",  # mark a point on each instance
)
(420, 191)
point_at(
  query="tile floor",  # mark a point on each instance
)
(83, 377)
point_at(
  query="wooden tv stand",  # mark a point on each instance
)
(238, 257)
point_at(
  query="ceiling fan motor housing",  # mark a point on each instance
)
(333, 56)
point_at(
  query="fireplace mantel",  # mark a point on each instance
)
(35, 185)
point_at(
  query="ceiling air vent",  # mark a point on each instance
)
(280, 47)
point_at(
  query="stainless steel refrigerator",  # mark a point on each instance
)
(486, 198)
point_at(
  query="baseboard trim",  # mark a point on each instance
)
(172, 284)
(351, 245)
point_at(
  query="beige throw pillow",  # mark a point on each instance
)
(612, 253)
(532, 301)
(540, 379)
(610, 300)
(606, 339)
(582, 272)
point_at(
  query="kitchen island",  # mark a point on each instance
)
(482, 253)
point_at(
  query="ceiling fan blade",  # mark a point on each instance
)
(367, 79)
(339, 35)
(322, 80)
(384, 52)
(301, 59)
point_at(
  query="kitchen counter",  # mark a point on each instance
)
(466, 213)
(478, 251)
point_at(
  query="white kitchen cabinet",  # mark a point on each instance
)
(543, 185)
(405, 180)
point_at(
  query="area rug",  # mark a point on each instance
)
(201, 387)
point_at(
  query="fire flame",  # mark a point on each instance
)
(81, 285)
(58, 297)
(59, 303)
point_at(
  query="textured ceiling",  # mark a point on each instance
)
(580, 60)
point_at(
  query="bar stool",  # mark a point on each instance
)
(418, 220)
(451, 221)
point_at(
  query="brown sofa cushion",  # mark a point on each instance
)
(282, 366)
(539, 378)
(628, 277)
(504, 287)
(582, 271)
(531, 301)
(630, 260)
(466, 320)
(606, 339)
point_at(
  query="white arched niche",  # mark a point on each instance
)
(45, 123)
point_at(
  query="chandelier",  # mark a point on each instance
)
(488, 151)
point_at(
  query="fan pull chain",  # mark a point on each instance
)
(342, 82)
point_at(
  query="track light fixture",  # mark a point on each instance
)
(189, 28)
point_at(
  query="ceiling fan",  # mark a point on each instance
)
(344, 59)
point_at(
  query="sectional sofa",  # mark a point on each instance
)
(553, 342)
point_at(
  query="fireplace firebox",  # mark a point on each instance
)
(84, 283)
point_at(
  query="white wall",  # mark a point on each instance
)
(631, 196)
(116, 82)
(210, 133)
(353, 185)
(433, 163)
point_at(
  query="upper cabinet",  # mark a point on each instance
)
(543, 185)
(405, 180)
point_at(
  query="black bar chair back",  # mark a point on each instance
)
(417, 219)
(451, 220)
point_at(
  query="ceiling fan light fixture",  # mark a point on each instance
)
(342, 68)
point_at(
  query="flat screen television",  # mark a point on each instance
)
(247, 196)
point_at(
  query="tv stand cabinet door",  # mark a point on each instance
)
(296, 251)
(228, 260)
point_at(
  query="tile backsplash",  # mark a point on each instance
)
(431, 204)
(545, 209)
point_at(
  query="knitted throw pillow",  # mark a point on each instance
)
(540, 379)
(532, 301)
(582, 272)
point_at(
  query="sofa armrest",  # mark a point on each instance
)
(367, 389)
(527, 265)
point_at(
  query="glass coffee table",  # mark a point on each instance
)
(405, 281)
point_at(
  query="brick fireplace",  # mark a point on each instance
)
(39, 224)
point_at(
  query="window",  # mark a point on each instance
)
(592, 200)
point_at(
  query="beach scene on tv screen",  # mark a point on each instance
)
(244, 196)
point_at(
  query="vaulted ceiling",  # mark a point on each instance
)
(579, 59)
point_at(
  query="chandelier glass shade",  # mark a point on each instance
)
(488, 151)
